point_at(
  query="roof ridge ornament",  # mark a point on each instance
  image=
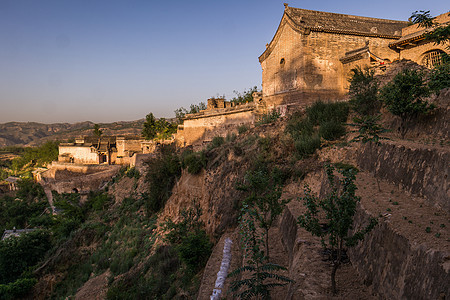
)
(285, 5)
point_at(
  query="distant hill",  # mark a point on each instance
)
(31, 133)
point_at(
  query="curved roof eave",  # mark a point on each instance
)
(285, 19)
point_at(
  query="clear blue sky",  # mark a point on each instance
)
(104, 61)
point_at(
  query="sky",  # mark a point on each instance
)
(106, 61)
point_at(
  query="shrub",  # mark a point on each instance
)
(321, 112)
(161, 176)
(133, 173)
(216, 142)
(363, 91)
(242, 129)
(269, 117)
(307, 145)
(339, 208)
(17, 254)
(439, 77)
(331, 130)
(194, 250)
(404, 97)
(194, 162)
(17, 289)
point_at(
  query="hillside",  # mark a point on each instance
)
(159, 230)
(32, 134)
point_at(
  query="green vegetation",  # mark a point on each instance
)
(322, 120)
(260, 276)
(404, 97)
(363, 92)
(368, 128)
(268, 118)
(157, 129)
(162, 175)
(216, 142)
(194, 162)
(181, 112)
(245, 96)
(25, 209)
(338, 208)
(263, 188)
(31, 158)
(97, 132)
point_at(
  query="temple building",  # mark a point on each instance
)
(312, 53)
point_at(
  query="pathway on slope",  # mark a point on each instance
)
(48, 193)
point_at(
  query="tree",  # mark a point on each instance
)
(264, 193)
(255, 285)
(97, 131)
(405, 97)
(363, 91)
(149, 130)
(440, 34)
(331, 218)
(245, 96)
(369, 129)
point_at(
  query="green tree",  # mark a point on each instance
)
(245, 96)
(163, 172)
(368, 128)
(97, 132)
(149, 131)
(363, 91)
(17, 254)
(338, 208)
(264, 192)
(405, 97)
(262, 276)
(439, 34)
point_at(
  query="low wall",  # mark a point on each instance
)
(397, 268)
(420, 170)
(85, 183)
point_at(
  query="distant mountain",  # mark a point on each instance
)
(31, 133)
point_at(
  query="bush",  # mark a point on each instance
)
(133, 173)
(270, 117)
(307, 145)
(162, 175)
(331, 130)
(242, 129)
(17, 254)
(363, 91)
(439, 77)
(194, 250)
(216, 142)
(97, 200)
(404, 97)
(194, 162)
(321, 112)
(17, 289)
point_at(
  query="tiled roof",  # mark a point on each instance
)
(340, 23)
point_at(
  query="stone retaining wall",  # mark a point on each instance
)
(419, 170)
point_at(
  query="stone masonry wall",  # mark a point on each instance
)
(302, 68)
(420, 170)
(397, 268)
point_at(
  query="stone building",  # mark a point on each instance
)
(413, 45)
(312, 53)
(103, 150)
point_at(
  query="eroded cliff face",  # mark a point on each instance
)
(402, 183)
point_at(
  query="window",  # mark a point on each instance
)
(432, 58)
